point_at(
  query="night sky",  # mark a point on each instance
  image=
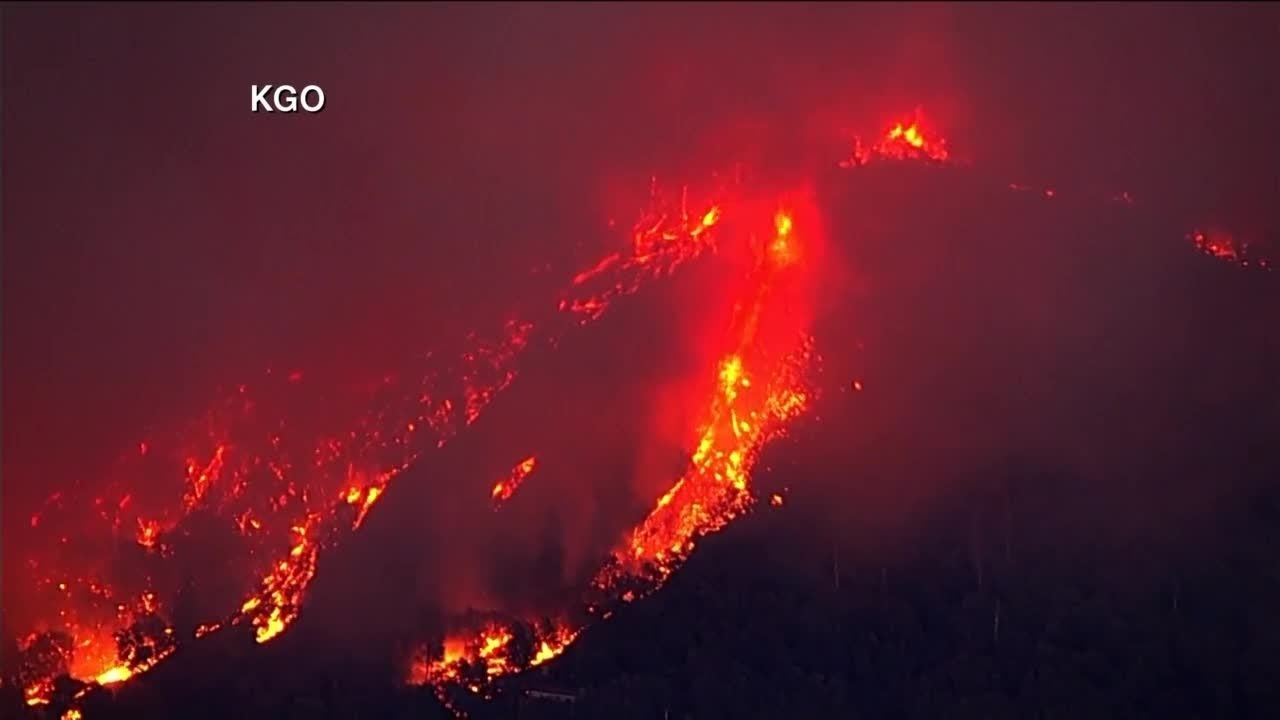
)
(159, 240)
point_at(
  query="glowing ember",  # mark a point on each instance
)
(1218, 245)
(663, 239)
(1222, 246)
(148, 533)
(746, 412)
(908, 139)
(504, 489)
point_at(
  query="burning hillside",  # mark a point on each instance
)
(283, 491)
(260, 489)
(757, 387)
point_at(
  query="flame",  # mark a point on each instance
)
(1222, 245)
(291, 492)
(148, 533)
(200, 478)
(504, 489)
(714, 489)
(907, 139)
(662, 240)
(363, 498)
(473, 658)
(116, 674)
(752, 401)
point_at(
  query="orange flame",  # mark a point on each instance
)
(907, 139)
(504, 489)
(750, 405)
(662, 240)
(487, 652)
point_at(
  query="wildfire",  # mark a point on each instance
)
(912, 139)
(504, 489)
(473, 660)
(289, 491)
(363, 499)
(752, 401)
(907, 139)
(148, 533)
(95, 652)
(277, 604)
(200, 478)
(742, 418)
(116, 674)
(290, 488)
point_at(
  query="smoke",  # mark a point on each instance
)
(1021, 348)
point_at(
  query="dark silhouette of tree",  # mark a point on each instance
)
(45, 656)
